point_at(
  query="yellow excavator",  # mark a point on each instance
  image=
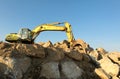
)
(28, 36)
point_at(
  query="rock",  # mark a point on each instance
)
(16, 66)
(4, 71)
(41, 43)
(5, 49)
(86, 58)
(5, 45)
(34, 50)
(3, 67)
(101, 51)
(82, 46)
(48, 44)
(115, 57)
(75, 55)
(64, 45)
(96, 55)
(102, 74)
(54, 54)
(109, 67)
(88, 70)
(71, 70)
(56, 44)
(50, 70)
(114, 77)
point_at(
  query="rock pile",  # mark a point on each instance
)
(57, 61)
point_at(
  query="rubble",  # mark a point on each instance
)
(57, 61)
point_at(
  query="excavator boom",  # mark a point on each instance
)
(54, 27)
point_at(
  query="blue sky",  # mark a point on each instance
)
(95, 21)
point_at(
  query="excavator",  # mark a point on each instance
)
(28, 36)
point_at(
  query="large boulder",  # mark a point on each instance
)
(15, 66)
(95, 54)
(75, 55)
(54, 54)
(102, 74)
(109, 67)
(50, 70)
(33, 50)
(101, 51)
(71, 70)
(115, 57)
(4, 72)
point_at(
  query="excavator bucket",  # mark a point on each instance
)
(81, 46)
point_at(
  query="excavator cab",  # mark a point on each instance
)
(25, 34)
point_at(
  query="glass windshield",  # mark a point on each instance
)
(24, 33)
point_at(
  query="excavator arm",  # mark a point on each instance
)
(54, 27)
